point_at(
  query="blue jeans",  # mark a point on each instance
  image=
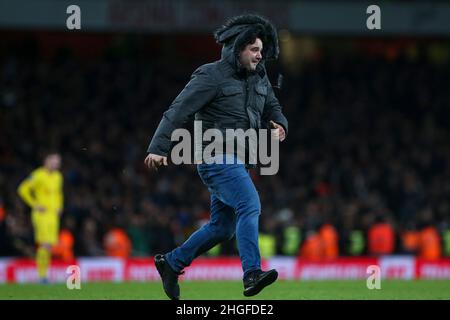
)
(235, 208)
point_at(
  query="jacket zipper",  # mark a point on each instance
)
(247, 89)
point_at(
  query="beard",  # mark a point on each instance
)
(251, 66)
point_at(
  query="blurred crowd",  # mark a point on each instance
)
(364, 170)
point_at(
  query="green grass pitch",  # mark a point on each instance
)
(232, 290)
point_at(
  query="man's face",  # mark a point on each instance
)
(53, 162)
(251, 55)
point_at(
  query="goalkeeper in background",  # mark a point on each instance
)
(43, 192)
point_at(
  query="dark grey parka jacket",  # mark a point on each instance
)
(223, 94)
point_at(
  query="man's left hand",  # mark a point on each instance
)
(279, 132)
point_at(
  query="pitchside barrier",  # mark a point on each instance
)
(15, 270)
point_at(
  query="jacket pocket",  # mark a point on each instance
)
(262, 90)
(260, 97)
(231, 90)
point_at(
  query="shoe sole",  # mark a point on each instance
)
(267, 280)
(159, 266)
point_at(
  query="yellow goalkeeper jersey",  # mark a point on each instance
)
(43, 188)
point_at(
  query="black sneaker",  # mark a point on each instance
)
(168, 276)
(258, 280)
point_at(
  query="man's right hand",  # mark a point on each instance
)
(153, 161)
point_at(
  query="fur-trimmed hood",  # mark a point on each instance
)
(237, 30)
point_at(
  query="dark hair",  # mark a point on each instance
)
(250, 37)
